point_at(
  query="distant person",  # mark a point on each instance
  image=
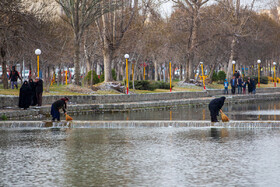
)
(244, 87)
(14, 76)
(236, 74)
(215, 106)
(33, 92)
(254, 86)
(226, 84)
(24, 96)
(39, 90)
(239, 84)
(250, 85)
(56, 106)
(233, 83)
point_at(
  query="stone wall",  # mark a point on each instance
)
(88, 109)
(12, 101)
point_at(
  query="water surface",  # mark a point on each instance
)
(269, 110)
(140, 157)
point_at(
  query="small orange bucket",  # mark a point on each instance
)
(224, 117)
(68, 118)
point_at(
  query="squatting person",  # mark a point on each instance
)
(215, 106)
(59, 104)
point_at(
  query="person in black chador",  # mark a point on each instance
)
(24, 96)
(250, 85)
(215, 106)
(39, 90)
(33, 92)
(59, 104)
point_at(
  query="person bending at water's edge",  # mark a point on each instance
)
(215, 106)
(59, 104)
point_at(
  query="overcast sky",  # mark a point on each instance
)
(260, 4)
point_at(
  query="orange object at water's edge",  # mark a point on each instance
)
(224, 117)
(68, 118)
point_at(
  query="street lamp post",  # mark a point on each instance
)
(170, 76)
(259, 72)
(38, 52)
(66, 72)
(201, 63)
(126, 56)
(233, 67)
(274, 64)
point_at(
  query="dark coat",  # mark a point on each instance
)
(239, 81)
(233, 84)
(250, 86)
(39, 86)
(60, 104)
(236, 74)
(25, 95)
(33, 92)
(217, 103)
(254, 84)
(215, 106)
(14, 75)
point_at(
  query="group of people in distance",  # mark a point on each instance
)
(30, 93)
(238, 83)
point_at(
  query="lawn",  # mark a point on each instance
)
(65, 90)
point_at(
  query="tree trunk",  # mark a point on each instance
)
(107, 55)
(48, 79)
(87, 57)
(211, 72)
(118, 71)
(181, 72)
(187, 77)
(191, 72)
(4, 74)
(59, 76)
(232, 55)
(156, 69)
(77, 61)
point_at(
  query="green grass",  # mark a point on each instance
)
(64, 90)
(54, 90)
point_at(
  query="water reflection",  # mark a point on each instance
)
(256, 111)
(140, 157)
(269, 110)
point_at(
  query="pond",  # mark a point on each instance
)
(146, 156)
(140, 157)
(269, 110)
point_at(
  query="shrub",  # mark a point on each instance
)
(4, 117)
(221, 76)
(102, 77)
(215, 77)
(162, 85)
(149, 85)
(114, 74)
(95, 77)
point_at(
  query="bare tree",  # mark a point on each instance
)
(193, 8)
(80, 14)
(112, 28)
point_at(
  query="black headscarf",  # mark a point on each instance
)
(33, 92)
(217, 103)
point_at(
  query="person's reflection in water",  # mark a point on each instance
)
(215, 133)
(218, 134)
